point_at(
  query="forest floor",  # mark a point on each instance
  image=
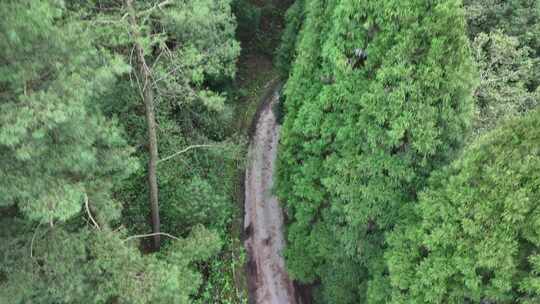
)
(255, 74)
(255, 79)
(263, 222)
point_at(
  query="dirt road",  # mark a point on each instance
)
(263, 223)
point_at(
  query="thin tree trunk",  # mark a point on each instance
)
(148, 96)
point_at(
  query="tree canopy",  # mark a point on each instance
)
(72, 143)
(408, 159)
(360, 138)
(475, 235)
(57, 145)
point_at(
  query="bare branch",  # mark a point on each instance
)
(158, 6)
(184, 151)
(32, 241)
(173, 70)
(156, 61)
(88, 211)
(138, 236)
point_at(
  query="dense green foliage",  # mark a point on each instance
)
(57, 265)
(504, 37)
(506, 71)
(68, 92)
(408, 165)
(260, 23)
(55, 143)
(517, 18)
(286, 52)
(476, 233)
(195, 187)
(361, 138)
(472, 238)
(355, 151)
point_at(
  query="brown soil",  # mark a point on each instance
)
(263, 223)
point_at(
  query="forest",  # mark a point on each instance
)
(407, 168)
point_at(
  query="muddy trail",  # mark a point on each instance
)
(263, 222)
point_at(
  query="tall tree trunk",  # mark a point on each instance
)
(148, 98)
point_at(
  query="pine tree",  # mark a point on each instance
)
(61, 156)
(188, 46)
(147, 92)
(56, 145)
